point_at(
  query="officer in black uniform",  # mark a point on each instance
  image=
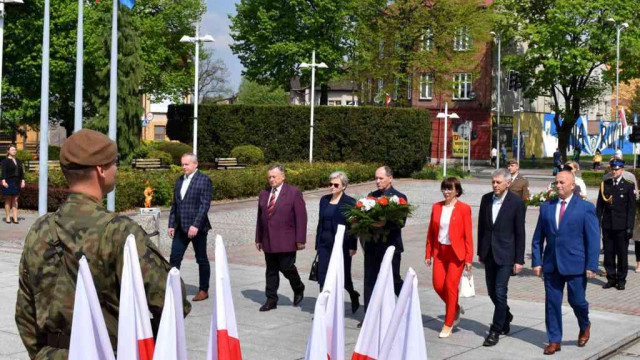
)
(616, 211)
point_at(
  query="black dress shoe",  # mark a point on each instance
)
(507, 325)
(359, 325)
(269, 305)
(620, 287)
(609, 285)
(297, 297)
(355, 301)
(491, 339)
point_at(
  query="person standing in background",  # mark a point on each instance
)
(12, 182)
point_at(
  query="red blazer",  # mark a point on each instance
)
(459, 231)
(287, 226)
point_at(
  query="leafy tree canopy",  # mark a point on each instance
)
(252, 93)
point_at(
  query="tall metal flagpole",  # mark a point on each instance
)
(113, 93)
(43, 177)
(499, 100)
(195, 91)
(77, 123)
(1, 50)
(313, 91)
(446, 133)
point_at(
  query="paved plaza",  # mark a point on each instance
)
(282, 333)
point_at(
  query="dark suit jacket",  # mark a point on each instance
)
(574, 246)
(621, 213)
(395, 234)
(350, 242)
(194, 208)
(287, 226)
(506, 237)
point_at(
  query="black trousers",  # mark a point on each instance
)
(616, 258)
(179, 246)
(372, 262)
(637, 248)
(284, 263)
(497, 277)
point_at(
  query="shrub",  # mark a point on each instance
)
(29, 197)
(165, 157)
(434, 172)
(24, 156)
(54, 152)
(248, 154)
(175, 149)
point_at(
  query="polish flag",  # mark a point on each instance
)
(379, 313)
(135, 338)
(224, 343)
(623, 119)
(332, 317)
(405, 336)
(171, 344)
(89, 336)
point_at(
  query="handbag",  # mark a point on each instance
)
(467, 289)
(313, 273)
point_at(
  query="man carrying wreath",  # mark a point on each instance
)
(374, 250)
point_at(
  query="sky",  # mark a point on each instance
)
(216, 23)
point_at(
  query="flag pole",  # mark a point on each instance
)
(77, 124)
(113, 93)
(44, 116)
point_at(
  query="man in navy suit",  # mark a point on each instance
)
(281, 230)
(569, 227)
(189, 220)
(500, 248)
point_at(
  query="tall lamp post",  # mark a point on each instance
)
(2, 2)
(499, 40)
(446, 115)
(619, 28)
(196, 40)
(313, 67)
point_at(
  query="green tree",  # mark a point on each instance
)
(272, 38)
(252, 93)
(635, 102)
(568, 42)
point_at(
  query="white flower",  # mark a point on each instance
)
(367, 204)
(395, 199)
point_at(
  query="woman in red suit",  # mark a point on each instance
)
(449, 248)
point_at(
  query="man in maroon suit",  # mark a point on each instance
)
(280, 232)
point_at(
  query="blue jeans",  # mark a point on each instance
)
(497, 277)
(179, 246)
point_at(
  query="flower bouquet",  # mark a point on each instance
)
(550, 194)
(370, 215)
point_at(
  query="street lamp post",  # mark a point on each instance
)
(196, 40)
(619, 28)
(499, 39)
(2, 2)
(446, 115)
(313, 67)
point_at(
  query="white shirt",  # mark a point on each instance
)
(494, 152)
(583, 187)
(497, 204)
(277, 194)
(559, 205)
(185, 184)
(445, 219)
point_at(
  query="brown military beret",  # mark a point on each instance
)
(88, 148)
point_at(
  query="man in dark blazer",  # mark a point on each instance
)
(617, 212)
(189, 220)
(568, 229)
(281, 230)
(374, 251)
(501, 246)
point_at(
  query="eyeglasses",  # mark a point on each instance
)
(334, 185)
(446, 190)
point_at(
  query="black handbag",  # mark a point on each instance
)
(313, 273)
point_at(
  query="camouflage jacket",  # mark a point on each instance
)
(48, 272)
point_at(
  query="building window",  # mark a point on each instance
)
(409, 86)
(426, 40)
(380, 84)
(395, 88)
(462, 41)
(352, 103)
(462, 86)
(159, 132)
(335, 102)
(426, 86)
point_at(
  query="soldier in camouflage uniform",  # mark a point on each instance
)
(82, 226)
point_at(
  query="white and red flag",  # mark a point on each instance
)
(89, 335)
(405, 337)
(224, 343)
(379, 312)
(135, 337)
(623, 119)
(171, 344)
(330, 306)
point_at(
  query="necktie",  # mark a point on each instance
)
(562, 208)
(272, 202)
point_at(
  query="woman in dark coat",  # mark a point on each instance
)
(332, 208)
(12, 180)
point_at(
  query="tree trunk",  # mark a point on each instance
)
(324, 94)
(563, 141)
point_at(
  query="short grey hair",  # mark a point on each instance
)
(194, 157)
(387, 170)
(277, 166)
(341, 176)
(498, 173)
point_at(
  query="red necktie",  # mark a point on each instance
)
(562, 208)
(272, 202)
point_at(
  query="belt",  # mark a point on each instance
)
(58, 340)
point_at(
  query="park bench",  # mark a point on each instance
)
(228, 164)
(34, 165)
(147, 164)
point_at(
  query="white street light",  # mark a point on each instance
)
(499, 39)
(313, 67)
(446, 115)
(196, 40)
(2, 2)
(622, 26)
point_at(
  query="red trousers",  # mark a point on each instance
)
(447, 271)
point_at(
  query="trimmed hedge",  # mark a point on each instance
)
(232, 184)
(398, 137)
(434, 172)
(248, 154)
